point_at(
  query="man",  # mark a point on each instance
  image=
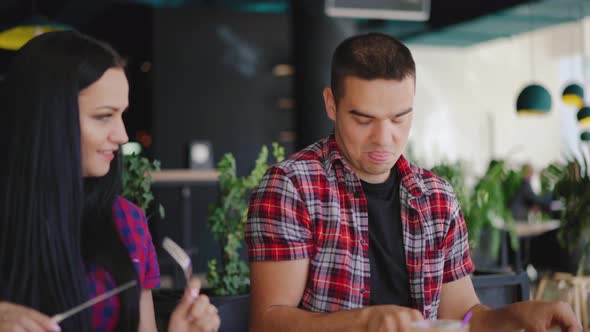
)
(525, 199)
(348, 235)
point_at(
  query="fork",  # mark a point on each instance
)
(180, 256)
(66, 314)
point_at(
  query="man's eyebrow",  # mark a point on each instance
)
(404, 112)
(365, 115)
(361, 114)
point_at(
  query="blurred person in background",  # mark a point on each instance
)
(525, 199)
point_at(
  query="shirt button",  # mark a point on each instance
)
(363, 291)
(363, 242)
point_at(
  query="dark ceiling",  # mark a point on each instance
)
(76, 12)
(451, 23)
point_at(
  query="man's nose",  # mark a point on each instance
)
(381, 133)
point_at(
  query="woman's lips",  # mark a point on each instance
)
(108, 155)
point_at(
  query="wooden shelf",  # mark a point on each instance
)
(187, 176)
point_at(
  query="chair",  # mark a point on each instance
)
(234, 312)
(577, 295)
(497, 290)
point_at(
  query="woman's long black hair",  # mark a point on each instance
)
(53, 222)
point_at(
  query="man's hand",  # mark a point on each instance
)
(539, 316)
(390, 318)
(458, 297)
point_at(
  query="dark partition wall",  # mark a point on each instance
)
(315, 36)
(212, 80)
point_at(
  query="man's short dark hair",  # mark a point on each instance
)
(371, 56)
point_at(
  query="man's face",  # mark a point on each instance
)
(372, 123)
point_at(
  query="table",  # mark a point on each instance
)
(183, 176)
(528, 229)
(525, 230)
(184, 179)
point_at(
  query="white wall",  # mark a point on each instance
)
(466, 98)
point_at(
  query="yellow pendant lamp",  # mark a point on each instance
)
(584, 117)
(14, 38)
(573, 94)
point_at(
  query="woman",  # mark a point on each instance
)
(65, 234)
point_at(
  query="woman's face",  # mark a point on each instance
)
(101, 121)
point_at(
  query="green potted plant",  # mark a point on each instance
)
(492, 192)
(137, 182)
(566, 248)
(550, 175)
(454, 174)
(484, 206)
(573, 189)
(227, 221)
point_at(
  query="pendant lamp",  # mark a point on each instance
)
(573, 94)
(533, 99)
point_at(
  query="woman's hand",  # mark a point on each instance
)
(194, 313)
(14, 317)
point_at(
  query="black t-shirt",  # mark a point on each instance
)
(389, 274)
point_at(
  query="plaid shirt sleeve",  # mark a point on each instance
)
(279, 226)
(134, 231)
(458, 262)
(151, 269)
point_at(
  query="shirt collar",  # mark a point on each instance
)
(333, 153)
(411, 178)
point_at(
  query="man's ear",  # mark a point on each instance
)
(330, 103)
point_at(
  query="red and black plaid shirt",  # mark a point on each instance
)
(312, 206)
(134, 231)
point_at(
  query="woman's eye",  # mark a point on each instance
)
(103, 117)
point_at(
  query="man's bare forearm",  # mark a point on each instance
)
(373, 318)
(284, 318)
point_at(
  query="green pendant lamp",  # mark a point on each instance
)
(584, 117)
(534, 99)
(573, 94)
(585, 136)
